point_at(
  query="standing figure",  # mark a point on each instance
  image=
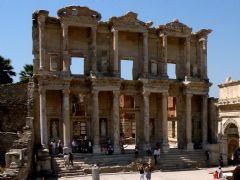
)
(148, 172)
(221, 160)
(60, 147)
(207, 157)
(136, 151)
(141, 172)
(156, 154)
(70, 159)
(66, 160)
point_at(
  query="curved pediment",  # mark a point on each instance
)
(175, 26)
(129, 21)
(78, 11)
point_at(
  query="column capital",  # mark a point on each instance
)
(66, 91)
(165, 93)
(114, 30)
(41, 20)
(145, 34)
(163, 35)
(145, 93)
(116, 92)
(189, 95)
(95, 91)
(42, 90)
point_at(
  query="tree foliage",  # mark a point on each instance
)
(6, 71)
(27, 73)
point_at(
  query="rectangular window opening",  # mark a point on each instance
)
(171, 69)
(127, 69)
(77, 66)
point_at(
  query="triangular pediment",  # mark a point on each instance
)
(128, 20)
(176, 26)
(79, 11)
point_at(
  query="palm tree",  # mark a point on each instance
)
(6, 71)
(27, 73)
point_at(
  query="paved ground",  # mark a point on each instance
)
(203, 174)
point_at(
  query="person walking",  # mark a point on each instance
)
(70, 159)
(156, 154)
(66, 160)
(148, 172)
(141, 172)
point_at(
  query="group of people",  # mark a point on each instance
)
(56, 147)
(145, 171)
(82, 145)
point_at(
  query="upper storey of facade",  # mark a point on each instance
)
(229, 92)
(78, 34)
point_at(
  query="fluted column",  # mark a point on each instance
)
(94, 49)
(203, 46)
(165, 145)
(115, 49)
(65, 48)
(116, 123)
(165, 54)
(189, 121)
(66, 121)
(43, 118)
(205, 120)
(41, 22)
(188, 56)
(145, 53)
(95, 122)
(146, 117)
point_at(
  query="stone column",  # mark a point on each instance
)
(43, 118)
(146, 118)
(66, 121)
(94, 49)
(115, 49)
(188, 56)
(189, 122)
(205, 120)
(41, 23)
(145, 54)
(165, 145)
(165, 54)
(95, 121)
(116, 123)
(203, 46)
(65, 48)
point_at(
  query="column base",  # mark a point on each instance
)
(67, 150)
(117, 149)
(189, 146)
(96, 149)
(165, 147)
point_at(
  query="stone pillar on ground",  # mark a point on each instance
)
(146, 118)
(43, 118)
(95, 121)
(66, 122)
(204, 120)
(116, 123)
(165, 145)
(189, 122)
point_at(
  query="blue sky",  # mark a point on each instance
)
(222, 16)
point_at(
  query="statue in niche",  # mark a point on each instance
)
(54, 130)
(195, 71)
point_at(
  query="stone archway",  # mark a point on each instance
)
(231, 139)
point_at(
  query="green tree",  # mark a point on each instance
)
(27, 73)
(6, 71)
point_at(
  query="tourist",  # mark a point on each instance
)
(236, 173)
(136, 151)
(207, 157)
(60, 147)
(141, 172)
(74, 146)
(53, 147)
(70, 162)
(221, 160)
(148, 172)
(215, 175)
(66, 159)
(220, 172)
(156, 154)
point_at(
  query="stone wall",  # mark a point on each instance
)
(13, 107)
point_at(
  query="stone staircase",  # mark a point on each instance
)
(174, 160)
